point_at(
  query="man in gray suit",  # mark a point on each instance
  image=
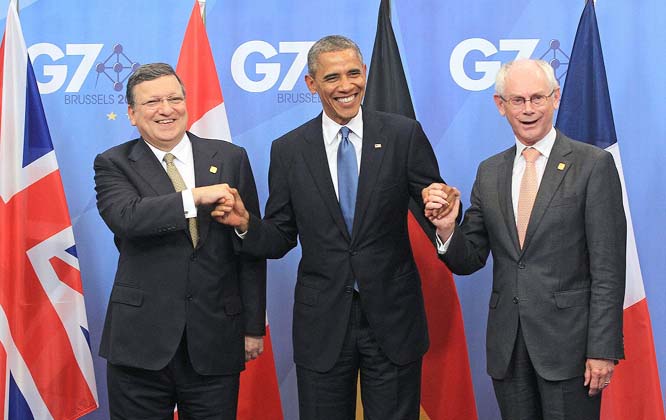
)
(550, 210)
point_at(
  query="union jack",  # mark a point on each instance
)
(46, 369)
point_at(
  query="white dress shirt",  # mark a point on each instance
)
(184, 161)
(544, 146)
(333, 137)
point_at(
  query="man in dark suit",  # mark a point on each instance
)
(185, 311)
(358, 301)
(550, 210)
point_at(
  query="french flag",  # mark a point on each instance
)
(259, 396)
(585, 114)
(46, 369)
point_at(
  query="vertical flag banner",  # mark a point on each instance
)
(446, 387)
(46, 369)
(585, 114)
(259, 396)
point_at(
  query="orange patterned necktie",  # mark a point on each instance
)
(528, 192)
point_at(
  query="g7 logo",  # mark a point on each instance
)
(270, 71)
(524, 47)
(58, 72)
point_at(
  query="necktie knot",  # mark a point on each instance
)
(168, 158)
(531, 154)
(344, 132)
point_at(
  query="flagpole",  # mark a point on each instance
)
(202, 8)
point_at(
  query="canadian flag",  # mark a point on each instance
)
(259, 396)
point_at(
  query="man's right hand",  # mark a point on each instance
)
(236, 215)
(213, 194)
(442, 206)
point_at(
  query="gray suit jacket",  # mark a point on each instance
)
(566, 286)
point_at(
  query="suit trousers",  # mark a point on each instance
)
(140, 394)
(524, 395)
(388, 391)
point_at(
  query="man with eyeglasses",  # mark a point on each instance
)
(550, 210)
(185, 311)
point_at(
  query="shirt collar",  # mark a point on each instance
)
(544, 146)
(182, 151)
(330, 128)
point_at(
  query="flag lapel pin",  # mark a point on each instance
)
(378, 145)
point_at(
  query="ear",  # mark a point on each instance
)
(130, 114)
(311, 83)
(556, 98)
(500, 105)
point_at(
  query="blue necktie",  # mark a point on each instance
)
(347, 178)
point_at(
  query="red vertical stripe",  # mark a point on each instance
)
(447, 391)
(258, 397)
(196, 68)
(635, 392)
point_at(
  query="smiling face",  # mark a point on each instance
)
(162, 125)
(530, 123)
(339, 81)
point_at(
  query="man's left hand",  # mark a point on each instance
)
(254, 346)
(598, 373)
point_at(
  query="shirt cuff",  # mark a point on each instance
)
(443, 247)
(188, 204)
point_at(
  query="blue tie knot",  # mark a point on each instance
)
(344, 131)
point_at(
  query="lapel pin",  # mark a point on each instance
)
(561, 166)
(213, 169)
(378, 145)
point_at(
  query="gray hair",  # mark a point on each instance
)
(500, 79)
(147, 72)
(330, 43)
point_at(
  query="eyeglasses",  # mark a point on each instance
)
(519, 101)
(154, 103)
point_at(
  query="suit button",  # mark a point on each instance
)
(188, 297)
(349, 289)
(193, 257)
(352, 252)
(515, 300)
(521, 265)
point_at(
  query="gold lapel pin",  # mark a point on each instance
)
(561, 166)
(213, 169)
(378, 145)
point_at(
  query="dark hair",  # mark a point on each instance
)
(148, 72)
(330, 43)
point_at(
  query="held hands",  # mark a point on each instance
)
(232, 212)
(442, 205)
(213, 194)
(598, 373)
(254, 346)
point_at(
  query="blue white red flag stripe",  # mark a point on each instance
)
(585, 114)
(45, 357)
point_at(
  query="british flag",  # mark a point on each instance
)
(46, 369)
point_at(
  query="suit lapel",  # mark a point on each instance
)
(552, 177)
(504, 178)
(314, 156)
(145, 163)
(205, 157)
(371, 160)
